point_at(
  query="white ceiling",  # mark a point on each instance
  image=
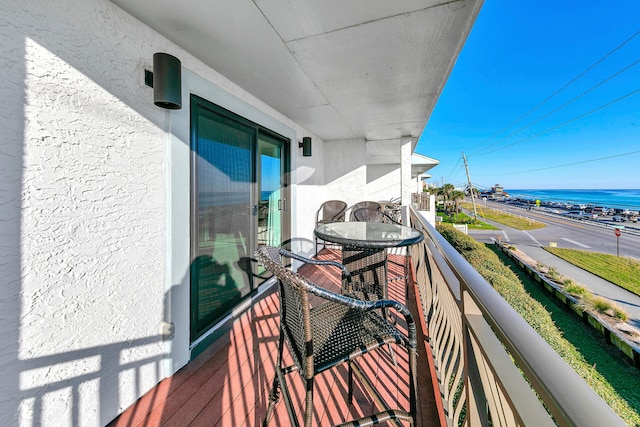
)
(343, 69)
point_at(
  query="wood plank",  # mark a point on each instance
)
(229, 383)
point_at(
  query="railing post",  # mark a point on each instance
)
(475, 395)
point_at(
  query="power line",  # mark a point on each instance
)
(563, 124)
(453, 172)
(479, 153)
(592, 66)
(571, 164)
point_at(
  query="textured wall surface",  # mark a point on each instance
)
(88, 183)
(81, 214)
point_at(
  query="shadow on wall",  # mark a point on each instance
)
(102, 378)
(33, 382)
(344, 160)
(12, 122)
(390, 173)
(199, 392)
(99, 363)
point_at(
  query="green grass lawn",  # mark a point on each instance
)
(510, 220)
(624, 272)
(462, 218)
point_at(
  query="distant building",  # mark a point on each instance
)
(496, 192)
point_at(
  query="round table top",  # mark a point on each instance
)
(368, 234)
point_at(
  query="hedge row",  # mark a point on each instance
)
(512, 290)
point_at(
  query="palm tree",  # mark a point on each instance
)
(445, 192)
(455, 197)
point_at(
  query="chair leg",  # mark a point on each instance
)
(413, 382)
(407, 266)
(274, 397)
(350, 393)
(394, 360)
(308, 411)
(318, 243)
(392, 319)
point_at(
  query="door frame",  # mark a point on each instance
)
(200, 340)
(175, 316)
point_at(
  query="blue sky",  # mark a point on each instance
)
(520, 53)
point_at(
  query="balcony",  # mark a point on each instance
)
(486, 365)
(96, 209)
(228, 385)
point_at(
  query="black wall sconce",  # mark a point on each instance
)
(167, 81)
(306, 146)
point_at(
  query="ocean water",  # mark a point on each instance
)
(629, 199)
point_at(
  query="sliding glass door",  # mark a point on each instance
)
(270, 189)
(238, 201)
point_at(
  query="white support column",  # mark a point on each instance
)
(405, 176)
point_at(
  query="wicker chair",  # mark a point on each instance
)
(364, 204)
(367, 215)
(393, 210)
(368, 267)
(369, 260)
(330, 211)
(338, 330)
(372, 215)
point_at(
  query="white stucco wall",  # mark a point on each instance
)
(83, 338)
(88, 169)
(352, 176)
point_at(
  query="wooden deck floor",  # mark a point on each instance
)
(229, 384)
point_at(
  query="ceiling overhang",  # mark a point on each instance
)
(420, 164)
(369, 69)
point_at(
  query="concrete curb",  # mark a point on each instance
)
(610, 335)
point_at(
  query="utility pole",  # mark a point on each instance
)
(473, 197)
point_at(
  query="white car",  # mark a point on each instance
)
(618, 218)
(576, 215)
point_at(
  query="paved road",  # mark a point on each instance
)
(595, 236)
(526, 242)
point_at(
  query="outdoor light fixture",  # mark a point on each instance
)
(167, 81)
(306, 146)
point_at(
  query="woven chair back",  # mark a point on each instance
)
(332, 211)
(364, 204)
(295, 308)
(368, 215)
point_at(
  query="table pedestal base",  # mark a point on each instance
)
(368, 268)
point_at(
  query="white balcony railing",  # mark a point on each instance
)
(422, 201)
(492, 367)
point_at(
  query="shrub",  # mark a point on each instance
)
(553, 273)
(601, 305)
(620, 314)
(506, 282)
(576, 289)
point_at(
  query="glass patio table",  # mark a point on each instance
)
(364, 250)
